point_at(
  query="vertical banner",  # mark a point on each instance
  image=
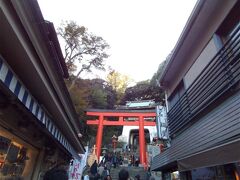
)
(76, 167)
(161, 121)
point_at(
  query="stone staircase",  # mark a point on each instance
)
(133, 171)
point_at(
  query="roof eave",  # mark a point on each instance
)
(33, 7)
(195, 12)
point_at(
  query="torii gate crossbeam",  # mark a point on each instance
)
(139, 116)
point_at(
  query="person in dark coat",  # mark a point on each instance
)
(57, 173)
(114, 160)
(137, 177)
(148, 174)
(108, 177)
(105, 173)
(123, 174)
(93, 168)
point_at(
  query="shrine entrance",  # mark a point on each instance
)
(139, 118)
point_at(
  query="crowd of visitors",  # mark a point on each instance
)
(102, 172)
(133, 160)
(110, 160)
(114, 159)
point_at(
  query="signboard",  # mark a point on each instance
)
(76, 168)
(161, 121)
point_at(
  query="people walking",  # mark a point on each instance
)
(105, 173)
(58, 172)
(100, 169)
(93, 169)
(108, 165)
(148, 174)
(108, 177)
(137, 177)
(86, 177)
(114, 160)
(123, 174)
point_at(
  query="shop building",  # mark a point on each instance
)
(38, 124)
(201, 81)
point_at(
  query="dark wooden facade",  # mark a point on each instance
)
(204, 116)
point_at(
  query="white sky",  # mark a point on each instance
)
(141, 33)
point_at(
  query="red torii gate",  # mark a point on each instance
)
(122, 115)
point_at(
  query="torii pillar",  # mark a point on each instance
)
(99, 136)
(142, 147)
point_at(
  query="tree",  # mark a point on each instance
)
(147, 90)
(101, 90)
(91, 93)
(140, 91)
(79, 95)
(99, 98)
(143, 90)
(83, 50)
(155, 79)
(119, 83)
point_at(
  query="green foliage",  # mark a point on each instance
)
(91, 93)
(109, 131)
(79, 95)
(99, 98)
(119, 83)
(146, 90)
(155, 79)
(143, 91)
(103, 95)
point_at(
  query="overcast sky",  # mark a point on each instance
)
(141, 33)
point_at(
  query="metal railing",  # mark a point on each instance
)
(218, 77)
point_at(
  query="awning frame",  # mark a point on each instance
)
(17, 88)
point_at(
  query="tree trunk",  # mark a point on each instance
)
(74, 80)
(78, 74)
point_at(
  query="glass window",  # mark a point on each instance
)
(17, 158)
(13, 157)
(222, 172)
(203, 173)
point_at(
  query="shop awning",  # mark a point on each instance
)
(11, 81)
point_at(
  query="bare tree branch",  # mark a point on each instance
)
(79, 45)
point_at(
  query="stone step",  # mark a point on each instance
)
(133, 171)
